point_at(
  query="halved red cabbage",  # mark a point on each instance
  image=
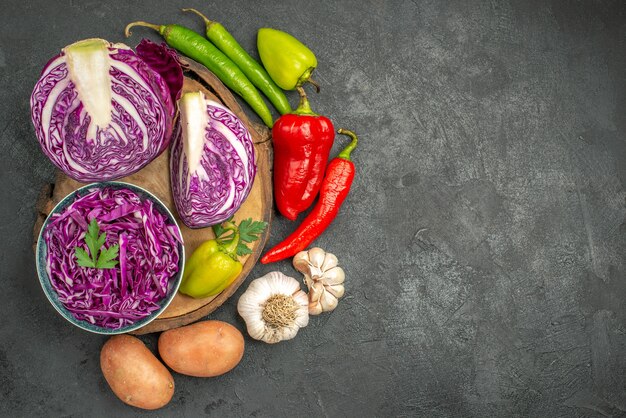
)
(101, 112)
(148, 257)
(212, 162)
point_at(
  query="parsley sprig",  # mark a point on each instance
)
(249, 231)
(98, 257)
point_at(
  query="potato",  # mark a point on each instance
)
(134, 373)
(204, 349)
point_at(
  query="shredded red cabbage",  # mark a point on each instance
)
(148, 257)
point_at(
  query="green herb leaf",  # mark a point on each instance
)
(82, 258)
(91, 238)
(249, 231)
(98, 257)
(242, 249)
(106, 257)
(93, 228)
(101, 240)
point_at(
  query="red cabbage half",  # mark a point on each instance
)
(102, 112)
(212, 162)
(148, 257)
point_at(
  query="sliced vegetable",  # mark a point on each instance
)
(221, 38)
(287, 60)
(196, 47)
(148, 257)
(212, 163)
(101, 112)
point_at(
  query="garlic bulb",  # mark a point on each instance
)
(323, 278)
(274, 308)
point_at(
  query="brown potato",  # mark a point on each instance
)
(134, 373)
(203, 349)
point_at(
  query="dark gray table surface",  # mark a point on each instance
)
(483, 240)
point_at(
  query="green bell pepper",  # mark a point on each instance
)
(212, 267)
(287, 60)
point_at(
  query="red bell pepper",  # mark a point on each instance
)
(302, 141)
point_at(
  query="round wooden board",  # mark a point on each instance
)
(155, 178)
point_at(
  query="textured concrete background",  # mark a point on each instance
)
(483, 240)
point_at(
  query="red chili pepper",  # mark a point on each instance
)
(302, 141)
(335, 188)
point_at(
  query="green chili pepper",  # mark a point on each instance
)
(287, 60)
(196, 47)
(221, 38)
(212, 267)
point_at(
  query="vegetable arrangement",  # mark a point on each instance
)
(139, 379)
(221, 38)
(102, 111)
(196, 47)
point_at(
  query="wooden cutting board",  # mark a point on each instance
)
(155, 178)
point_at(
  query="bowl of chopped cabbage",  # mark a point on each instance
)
(110, 257)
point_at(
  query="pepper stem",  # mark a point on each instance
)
(306, 78)
(345, 153)
(207, 21)
(157, 28)
(231, 248)
(304, 108)
(317, 86)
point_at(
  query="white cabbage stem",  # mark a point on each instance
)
(89, 66)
